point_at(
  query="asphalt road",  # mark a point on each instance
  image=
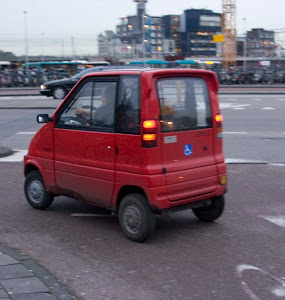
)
(241, 256)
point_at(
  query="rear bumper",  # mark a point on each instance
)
(159, 201)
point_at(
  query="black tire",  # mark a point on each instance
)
(59, 92)
(136, 218)
(35, 191)
(211, 212)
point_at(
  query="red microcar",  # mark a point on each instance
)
(137, 142)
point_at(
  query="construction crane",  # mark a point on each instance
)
(229, 33)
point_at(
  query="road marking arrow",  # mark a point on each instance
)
(279, 220)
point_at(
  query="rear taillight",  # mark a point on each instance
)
(219, 126)
(149, 134)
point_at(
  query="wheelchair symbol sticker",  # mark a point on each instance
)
(188, 150)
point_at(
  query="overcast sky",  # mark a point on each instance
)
(52, 23)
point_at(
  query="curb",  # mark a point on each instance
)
(33, 107)
(5, 151)
(20, 95)
(37, 272)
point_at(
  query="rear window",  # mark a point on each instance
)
(184, 104)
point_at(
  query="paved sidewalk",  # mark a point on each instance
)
(22, 278)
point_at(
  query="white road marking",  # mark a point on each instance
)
(256, 99)
(279, 220)
(92, 215)
(277, 165)
(279, 286)
(228, 132)
(268, 108)
(27, 132)
(243, 161)
(17, 156)
(239, 108)
(233, 105)
(279, 292)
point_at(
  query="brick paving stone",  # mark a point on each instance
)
(7, 260)
(40, 296)
(24, 286)
(14, 271)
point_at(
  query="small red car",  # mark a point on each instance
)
(137, 142)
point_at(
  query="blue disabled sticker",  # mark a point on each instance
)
(188, 150)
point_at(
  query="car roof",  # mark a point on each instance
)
(160, 72)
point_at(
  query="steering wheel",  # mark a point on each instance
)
(80, 119)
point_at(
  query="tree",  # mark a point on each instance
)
(9, 56)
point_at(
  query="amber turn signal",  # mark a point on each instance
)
(149, 137)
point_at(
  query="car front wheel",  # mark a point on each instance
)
(59, 92)
(35, 191)
(136, 218)
(212, 212)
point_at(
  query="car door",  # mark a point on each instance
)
(187, 137)
(85, 144)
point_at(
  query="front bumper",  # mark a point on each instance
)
(45, 92)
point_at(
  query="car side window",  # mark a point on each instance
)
(92, 107)
(73, 114)
(103, 105)
(128, 105)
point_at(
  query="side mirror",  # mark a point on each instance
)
(43, 118)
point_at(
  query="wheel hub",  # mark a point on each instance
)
(36, 191)
(132, 219)
(59, 93)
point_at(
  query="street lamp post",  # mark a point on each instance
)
(143, 40)
(26, 41)
(244, 44)
(42, 56)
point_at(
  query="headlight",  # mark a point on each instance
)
(43, 87)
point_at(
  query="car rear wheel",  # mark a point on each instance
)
(59, 92)
(136, 218)
(35, 191)
(211, 212)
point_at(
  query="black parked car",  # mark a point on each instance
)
(58, 89)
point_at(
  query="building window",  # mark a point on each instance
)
(213, 21)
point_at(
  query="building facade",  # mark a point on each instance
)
(171, 30)
(198, 27)
(153, 35)
(260, 43)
